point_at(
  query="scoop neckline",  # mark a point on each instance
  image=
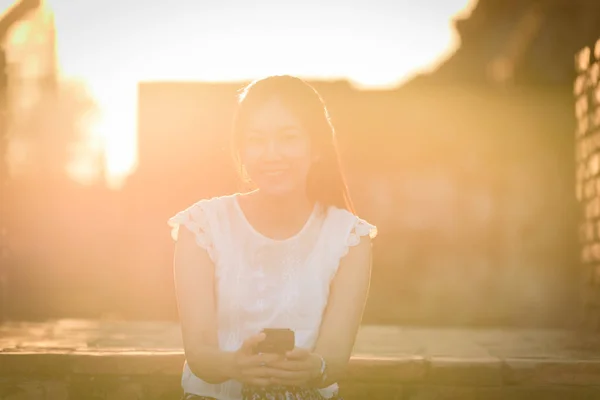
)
(254, 231)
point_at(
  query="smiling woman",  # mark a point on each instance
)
(289, 256)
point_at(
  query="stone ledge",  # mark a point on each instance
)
(468, 371)
(96, 363)
(167, 388)
(451, 392)
(387, 369)
(106, 387)
(556, 372)
(363, 368)
(110, 360)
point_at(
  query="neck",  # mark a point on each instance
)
(276, 216)
(283, 206)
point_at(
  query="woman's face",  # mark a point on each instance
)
(275, 150)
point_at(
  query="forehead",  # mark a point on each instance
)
(272, 116)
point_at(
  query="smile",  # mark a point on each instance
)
(277, 172)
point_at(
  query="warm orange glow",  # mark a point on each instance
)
(113, 46)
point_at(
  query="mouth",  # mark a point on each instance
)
(274, 172)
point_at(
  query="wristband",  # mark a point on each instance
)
(320, 379)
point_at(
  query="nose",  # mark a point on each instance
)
(272, 151)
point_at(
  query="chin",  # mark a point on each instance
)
(278, 190)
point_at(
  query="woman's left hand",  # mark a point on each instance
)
(298, 368)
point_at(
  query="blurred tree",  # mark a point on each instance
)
(48, 137)
(49, 119)
(9, 18)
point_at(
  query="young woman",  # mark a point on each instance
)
(289, 254)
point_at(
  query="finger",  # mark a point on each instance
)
(251, 342)
(290, 379)
(256, 373)
(297, 354)
(258, 382)
(281, 374)
(257, 360)
(286, 382)
(269, 357)
(290, 365)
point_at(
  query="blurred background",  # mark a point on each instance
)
(455, 120)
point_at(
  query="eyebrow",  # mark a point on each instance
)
(290, 128)
(282, 129)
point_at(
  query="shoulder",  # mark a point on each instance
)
(350, 225)
(203, 208)
(202, 217)
(348, 240)
(347, 233)
(211, 203)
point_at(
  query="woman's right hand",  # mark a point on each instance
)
(250, 367)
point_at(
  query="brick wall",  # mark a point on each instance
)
(587, 110)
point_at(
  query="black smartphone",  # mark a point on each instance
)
(277, 341)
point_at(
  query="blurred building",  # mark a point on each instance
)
(468, 173)
(521, 42)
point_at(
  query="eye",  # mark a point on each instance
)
(291, 135)
(254, 139)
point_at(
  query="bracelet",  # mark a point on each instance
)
(320, 379)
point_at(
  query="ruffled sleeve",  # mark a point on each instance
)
(195, 220)
(358, 229)
(346, 231)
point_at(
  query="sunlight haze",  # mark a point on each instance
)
(114, 45)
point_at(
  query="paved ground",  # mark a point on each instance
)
(378, 341)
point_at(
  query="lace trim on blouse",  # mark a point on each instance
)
(195, 220)
(359, 229)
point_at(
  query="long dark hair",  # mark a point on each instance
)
(325, 183)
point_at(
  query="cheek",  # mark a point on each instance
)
(297, 150)
(301, 159)
(250, 157)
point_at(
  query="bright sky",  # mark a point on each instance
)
(112, 45)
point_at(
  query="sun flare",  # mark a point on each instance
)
(112, 46)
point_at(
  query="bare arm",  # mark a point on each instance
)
(344, 310)
(194, 284)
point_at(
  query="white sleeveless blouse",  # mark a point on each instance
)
(266, 283)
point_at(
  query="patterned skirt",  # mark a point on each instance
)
(272, 393)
